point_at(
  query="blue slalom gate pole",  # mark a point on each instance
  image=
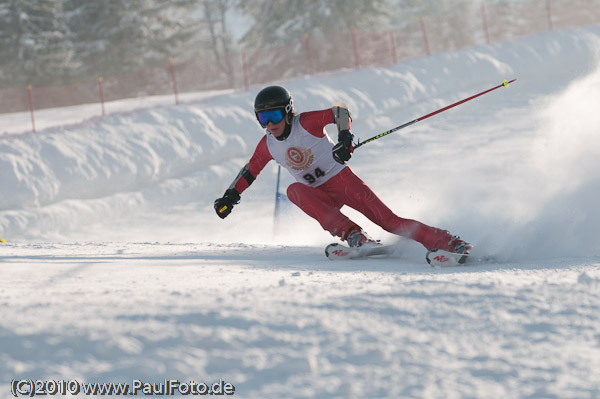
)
(277, 201)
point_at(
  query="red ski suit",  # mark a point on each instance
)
(323, 202)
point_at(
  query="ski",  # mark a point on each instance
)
(436, 257)
(337, 251)
(440, 258)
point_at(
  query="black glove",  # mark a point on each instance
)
(343, 150)
(224, 205)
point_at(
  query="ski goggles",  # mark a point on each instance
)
(275, 116)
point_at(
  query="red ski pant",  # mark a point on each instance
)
(323, 203)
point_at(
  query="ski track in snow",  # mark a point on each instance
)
(116, 267)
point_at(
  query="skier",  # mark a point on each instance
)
(299, 143)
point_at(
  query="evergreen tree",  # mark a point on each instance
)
(120, 36)
(108, 35)
(36, 42)
(8, 42)
(281, 21)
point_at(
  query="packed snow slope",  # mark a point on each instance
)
(116, 267)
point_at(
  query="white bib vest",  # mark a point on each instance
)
(306, 157)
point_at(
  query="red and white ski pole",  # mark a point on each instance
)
(380, 135)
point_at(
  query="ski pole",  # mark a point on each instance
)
(380, 135)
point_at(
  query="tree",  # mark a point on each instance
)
(281, 21)
(36, 42)
(120, 36)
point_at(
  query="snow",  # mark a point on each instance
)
(117, 269)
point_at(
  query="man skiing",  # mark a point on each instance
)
(299, 143)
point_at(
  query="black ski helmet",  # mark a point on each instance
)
(275, 97)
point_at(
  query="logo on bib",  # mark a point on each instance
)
(299, 158)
